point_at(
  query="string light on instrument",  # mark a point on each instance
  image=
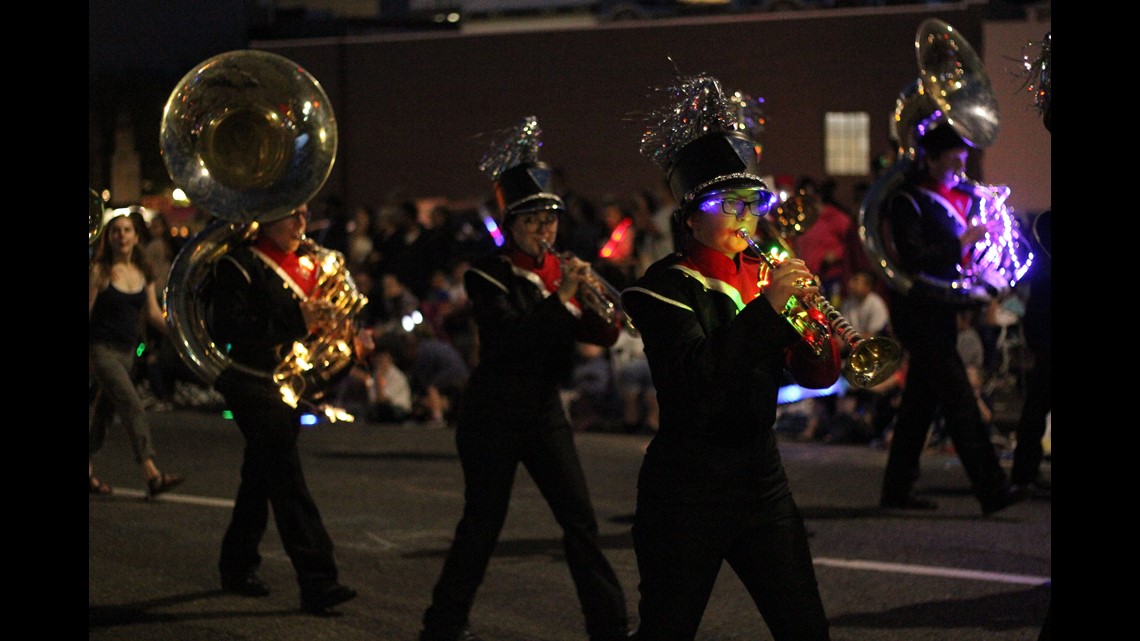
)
(999, 259)
(775, 255)
(872, 360)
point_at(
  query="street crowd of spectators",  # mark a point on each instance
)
(409, 257)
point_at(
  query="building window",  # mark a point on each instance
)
(847, 143)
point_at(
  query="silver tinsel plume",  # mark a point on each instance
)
(1039, 71)
(512, 146)
(693, 106)
(749, 114)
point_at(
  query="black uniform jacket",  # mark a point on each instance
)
(925, 231)
(255, 313)
(717, 350)
(527, 340)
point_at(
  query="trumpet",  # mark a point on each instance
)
(597, 294)
(872, 360)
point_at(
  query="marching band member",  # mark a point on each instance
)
(260, 306)
(929, 218)
(954, 245)
(712, 487)
(527, 307)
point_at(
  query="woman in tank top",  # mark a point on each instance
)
(122, 296)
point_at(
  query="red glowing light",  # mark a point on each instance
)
(611, 247)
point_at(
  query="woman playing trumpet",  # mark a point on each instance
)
(526, 303)
(712, 487)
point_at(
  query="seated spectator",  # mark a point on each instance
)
(390, 395)
(438, 375)
(396, 302)
(634, 384)
(654, 240)
(591, 406)
(1000, 329)
(437, 303)
(970, 346)
(863, 307)
(351, 392)
(867, 415)
(862, 415)
(373, 313)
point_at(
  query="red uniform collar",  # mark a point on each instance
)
(956, 197)
(549, 270)
(302, 271)
(711, 264)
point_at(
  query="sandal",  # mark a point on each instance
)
(164, 483)
(95, 486)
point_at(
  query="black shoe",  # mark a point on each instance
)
(319, 600)
(248, 585)
(908, 502)
(464, 635)
(1003, 499)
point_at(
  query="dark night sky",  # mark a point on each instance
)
(137, 52)
(168, 37)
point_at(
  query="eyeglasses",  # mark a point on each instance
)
(732, 206)
(533, 222)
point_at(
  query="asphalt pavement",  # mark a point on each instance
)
(390, 496)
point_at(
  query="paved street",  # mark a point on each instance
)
(391, 496)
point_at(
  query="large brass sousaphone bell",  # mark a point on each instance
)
(952, 90)
(250, 136)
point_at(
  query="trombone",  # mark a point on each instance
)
(872, 360)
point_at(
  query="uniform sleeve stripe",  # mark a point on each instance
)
(489, 278)
(653, 294)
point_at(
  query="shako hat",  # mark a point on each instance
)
(699, 140)
(521, 182)
(942, 138)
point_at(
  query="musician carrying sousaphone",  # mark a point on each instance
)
(942, 230)
(263, 314)
(930, 221)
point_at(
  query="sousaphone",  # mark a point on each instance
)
(95, 213)
(250, 136)
(952, 90)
